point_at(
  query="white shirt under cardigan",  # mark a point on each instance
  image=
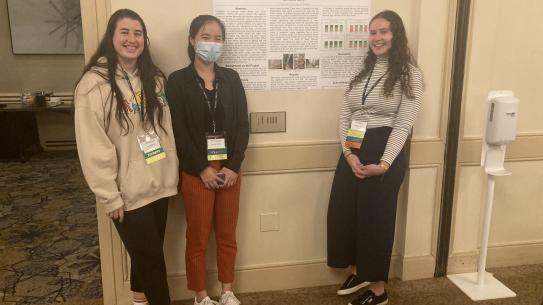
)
(396, 111)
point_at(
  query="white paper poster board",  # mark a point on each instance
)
(294, 44)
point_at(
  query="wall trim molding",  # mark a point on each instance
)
(499, 255)
(275, 276)
(462, 262)
(527, 146)
(319, 156)
(18, 94)
(313, 143)
(296, 274)
(515, 254)
(418, 267)
(15, 97)
(265, 279)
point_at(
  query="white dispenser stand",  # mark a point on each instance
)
(500, 130)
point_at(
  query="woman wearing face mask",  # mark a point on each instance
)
(209, 114)
(379, 109)
(126, 148)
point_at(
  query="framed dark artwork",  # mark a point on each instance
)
(45, 26)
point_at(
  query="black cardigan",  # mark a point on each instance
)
(186, 102)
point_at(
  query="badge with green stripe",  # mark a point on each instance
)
(155, 155)
(151, 148)
(355, 135)
(216, 148)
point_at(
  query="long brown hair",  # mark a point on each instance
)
(149, 74)
(399, 58)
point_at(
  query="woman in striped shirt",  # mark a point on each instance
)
(379, 109)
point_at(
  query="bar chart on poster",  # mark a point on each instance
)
(290, 45)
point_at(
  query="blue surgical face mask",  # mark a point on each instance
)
(208, 51)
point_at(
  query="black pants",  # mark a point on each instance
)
(142, 232)
(362, 212)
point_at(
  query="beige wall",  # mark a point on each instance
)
(34, 72)
(502, 54)
(290, 173)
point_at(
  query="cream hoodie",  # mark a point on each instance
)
(113, 164)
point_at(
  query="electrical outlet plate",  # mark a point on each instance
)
(267, 122)
(269, 222)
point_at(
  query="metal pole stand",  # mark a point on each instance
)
(483, 285)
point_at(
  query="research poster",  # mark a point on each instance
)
(294, 44)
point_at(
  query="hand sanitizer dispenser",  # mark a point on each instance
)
(501, 122)
(501, 128)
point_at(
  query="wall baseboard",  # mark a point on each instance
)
(419, 267)
(265, 279)
(506, 255)
(462, 262)
(299, 275)
(515, 255)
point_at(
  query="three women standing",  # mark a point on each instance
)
(129, 158)
(210, 122)
(126, 148)
(378, 112)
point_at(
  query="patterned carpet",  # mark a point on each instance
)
(48, 237)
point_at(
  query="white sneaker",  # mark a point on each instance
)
(228, 298)
(140, 302)
(206, 301)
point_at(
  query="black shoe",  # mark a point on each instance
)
(352, 284)
(369, 298)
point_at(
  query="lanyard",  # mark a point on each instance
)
(366, 93)
(213, 110)
(133, 92)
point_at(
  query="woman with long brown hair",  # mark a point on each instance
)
(127, 150)
(379, 109)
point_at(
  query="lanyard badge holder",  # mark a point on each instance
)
(355, 135)
(149, 142)
(140, 106)
(216, 141)
(151, 148)
(216, 146)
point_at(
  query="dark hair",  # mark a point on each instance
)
(399, 57)
(148, 73)
(195, 26)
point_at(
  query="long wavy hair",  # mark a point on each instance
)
(195, 26)
(399, 58)
(149, 74)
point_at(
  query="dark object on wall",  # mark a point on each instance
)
(45, 27)
(39, 98)
(19, 133)
(463, 11)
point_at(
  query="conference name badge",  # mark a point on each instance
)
(355, 135)
(216, 146)
(151, 148)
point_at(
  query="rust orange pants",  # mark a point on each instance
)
(204, 208)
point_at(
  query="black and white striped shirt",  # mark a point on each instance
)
(397, 111)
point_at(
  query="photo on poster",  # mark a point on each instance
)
(288, 61)
(299, 61)
(311, 63)
(275, 64)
